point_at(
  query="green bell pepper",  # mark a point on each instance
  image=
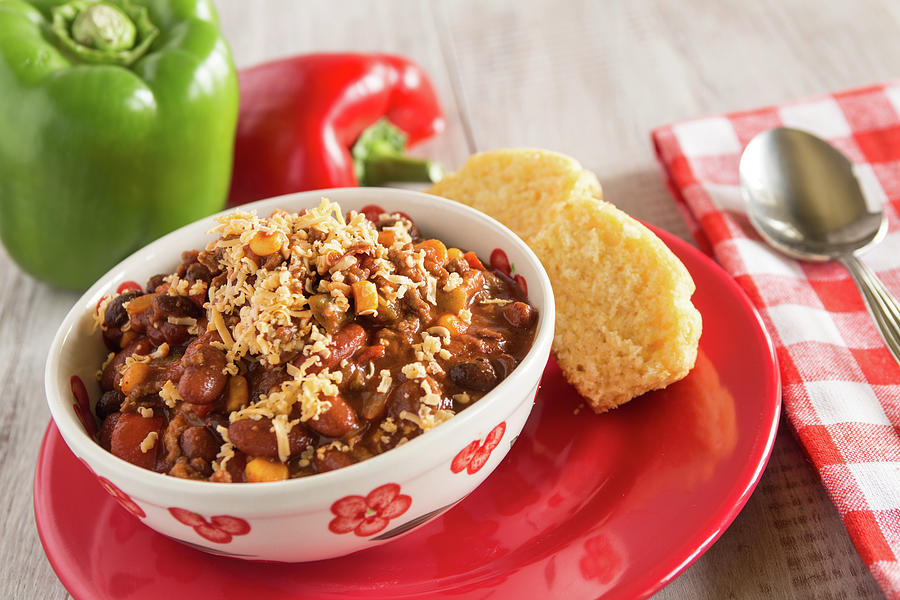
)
(117, 123)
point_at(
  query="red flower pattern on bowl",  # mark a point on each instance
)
(82, 405)
(367, 515)
(500, 261)
(128, 285)
(121, 497)
(219, 529)
(476, 454)
(601, 561)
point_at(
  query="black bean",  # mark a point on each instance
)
(198, 272)
(108, 403)
(503, 365)
(115, 315)
(155, 281)
(165, 306)
(475, 374)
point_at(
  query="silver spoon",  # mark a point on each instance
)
(803, 199)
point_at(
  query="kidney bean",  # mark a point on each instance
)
(235, 467)
(203, 380)
(256, 438)
(344, 344)
(332, 459)
(475, 374)
(170, 333)
(106, 429)
(130, 430)
(519, 314)
(111, 371)
(198, 442)
(339, 420)
(110, 402)
(405, 398)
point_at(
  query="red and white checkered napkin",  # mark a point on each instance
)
(841, 385)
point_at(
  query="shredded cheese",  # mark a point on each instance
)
(385, 384)
(149, 442)
(501, 301)
(169, 394)
(414, 371)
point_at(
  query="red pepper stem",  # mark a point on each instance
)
(387, 167)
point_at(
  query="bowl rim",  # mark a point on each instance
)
(90, 452)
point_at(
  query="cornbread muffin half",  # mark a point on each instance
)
(625, 324)
(521, 188)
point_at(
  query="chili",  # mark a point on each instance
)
(302, 343)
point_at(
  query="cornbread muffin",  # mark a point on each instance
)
(625, 324)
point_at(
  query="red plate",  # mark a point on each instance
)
(583, 505)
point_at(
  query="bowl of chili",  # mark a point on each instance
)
(309, 379)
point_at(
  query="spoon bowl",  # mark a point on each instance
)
(803, 198)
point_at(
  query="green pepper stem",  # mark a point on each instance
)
(387, 167)
(112, 32)
(379, 157)
(105, 27)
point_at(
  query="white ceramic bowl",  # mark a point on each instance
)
(334, 513)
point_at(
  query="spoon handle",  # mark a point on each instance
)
(882, 306)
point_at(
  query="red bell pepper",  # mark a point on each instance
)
(300, 116)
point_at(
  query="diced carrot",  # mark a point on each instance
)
(452, 323)
(365, 297)
(473, 261)
(386, 237)
(435, 250)
(139, 305)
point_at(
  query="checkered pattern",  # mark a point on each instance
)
(841, 385)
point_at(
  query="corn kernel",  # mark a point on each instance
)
(453, 253)
(237, 394)
(266, 243)
(263, 469)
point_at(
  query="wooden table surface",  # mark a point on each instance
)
(588, 78)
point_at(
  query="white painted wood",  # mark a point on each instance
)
(587, 78)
